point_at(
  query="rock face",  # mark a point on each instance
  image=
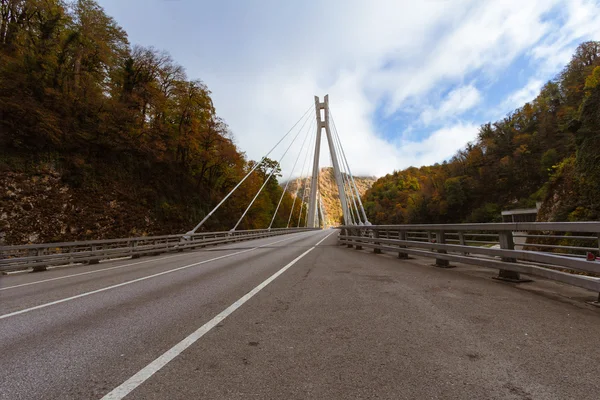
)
(39, 207)
(329, 192)
(563, 196)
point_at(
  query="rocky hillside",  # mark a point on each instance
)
(38, 206)
(329, 192)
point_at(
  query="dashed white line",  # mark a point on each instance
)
(145, 373)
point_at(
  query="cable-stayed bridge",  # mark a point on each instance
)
(455, 311)
(310, 204)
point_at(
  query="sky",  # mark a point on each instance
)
(409, 82)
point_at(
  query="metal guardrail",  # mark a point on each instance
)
(546, 249)
(40, 256)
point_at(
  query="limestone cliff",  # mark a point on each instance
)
(329, 192)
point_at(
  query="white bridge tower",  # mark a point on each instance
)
(322, 110)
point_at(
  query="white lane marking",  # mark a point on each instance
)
(89, 272)
(12, 314)
(145, 373)
(100, 270)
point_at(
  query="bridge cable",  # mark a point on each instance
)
(350, 216)
(306, 217)
(322, 210)
(354, 214)
(312, 151)
(303, 204)
(351, 182)
(273, 169)
(291, 174)
(248, 174)
(350, 208)
(299, 180)
(362, 208)
(294, 202)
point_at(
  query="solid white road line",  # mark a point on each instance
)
(145, 373)
(12, 314)
(102, 269)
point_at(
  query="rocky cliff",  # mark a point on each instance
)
(329, 192)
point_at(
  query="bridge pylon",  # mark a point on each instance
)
(322, 113)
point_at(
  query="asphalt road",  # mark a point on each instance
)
(285, 318)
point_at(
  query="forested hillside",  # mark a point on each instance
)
(99, 138)
(546, 151)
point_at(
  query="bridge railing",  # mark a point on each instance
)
(40, 256)
(552, 250)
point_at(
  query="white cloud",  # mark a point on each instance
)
(581, 22)
(439, 146)
(523, 95)
(456, 103)
(265, 60)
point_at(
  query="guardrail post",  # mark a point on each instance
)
(350, 232)
(402, 236)
(462, 242)
(358, 232)
(507, 243)
(440, 237)
(134, 244)
(37, 268)
(94, 260)
(156, 248)
(376, 235)
(71, 255)
(343, 233)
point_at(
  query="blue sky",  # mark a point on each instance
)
(409, 82)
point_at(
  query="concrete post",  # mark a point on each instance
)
(507, 243)
(314, 182)
(336, 165)
(440, 237)
(323, 122)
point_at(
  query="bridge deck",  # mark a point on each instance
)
(339, 323)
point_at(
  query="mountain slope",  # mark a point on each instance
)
(546, 151)
(329, 192)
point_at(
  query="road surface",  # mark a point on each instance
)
(290, 317)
